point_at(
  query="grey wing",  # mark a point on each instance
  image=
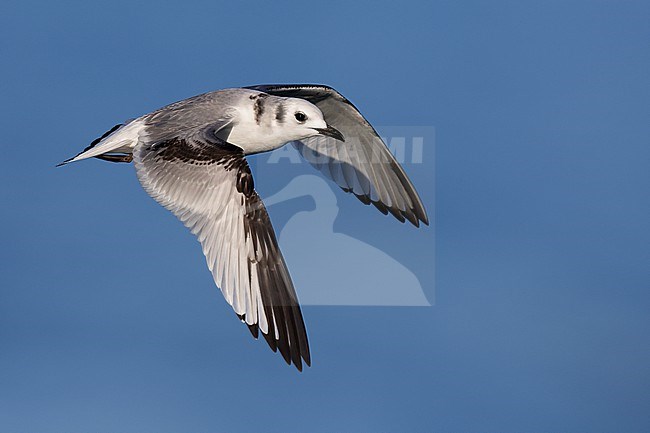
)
(362, 164)
(208, 185)
(215, 110)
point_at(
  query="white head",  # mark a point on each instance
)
(302, 119)
(270, 121)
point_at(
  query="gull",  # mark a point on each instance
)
(190, 157)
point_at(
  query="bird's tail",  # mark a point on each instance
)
(121, 138)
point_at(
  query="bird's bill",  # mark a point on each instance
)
(330, 132)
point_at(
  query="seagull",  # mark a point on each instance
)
(190, 156)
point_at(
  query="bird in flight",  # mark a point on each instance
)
(190, 156)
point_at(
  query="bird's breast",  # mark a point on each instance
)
(255, 139)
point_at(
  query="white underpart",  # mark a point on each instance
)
(122, 140)
(206, 200)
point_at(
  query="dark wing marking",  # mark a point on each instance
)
(208, 185)
(362, 164)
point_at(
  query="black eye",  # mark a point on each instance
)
(300, 116)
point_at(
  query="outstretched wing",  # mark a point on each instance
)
(208, 185)
(362, 164)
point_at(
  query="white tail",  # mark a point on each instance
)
(121, 139)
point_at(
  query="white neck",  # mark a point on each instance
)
(259, 125)
(265, 122)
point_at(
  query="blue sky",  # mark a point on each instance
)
(537, 261)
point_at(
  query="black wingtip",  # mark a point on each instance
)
(287, 355)
(416, 219)
(289, 359)
(421, 215)
(412, 218)
(254, 330)
(271, 342)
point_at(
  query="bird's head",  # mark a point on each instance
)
(269, 122)
(301, 119)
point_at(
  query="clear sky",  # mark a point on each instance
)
(537, 262)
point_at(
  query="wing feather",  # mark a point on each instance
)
(362, 164)
(208, 185)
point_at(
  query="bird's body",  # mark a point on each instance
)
(249, 119)
(190, 157)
